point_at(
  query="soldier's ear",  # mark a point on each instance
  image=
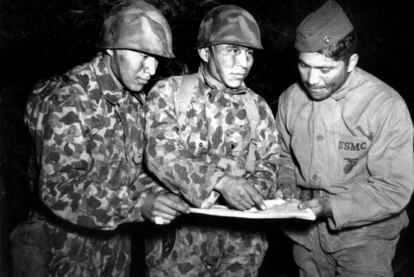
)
(204, 54)
(110, 52)
(353, 60)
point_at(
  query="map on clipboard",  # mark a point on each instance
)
(275, 208)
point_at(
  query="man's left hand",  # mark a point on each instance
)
(321, 207)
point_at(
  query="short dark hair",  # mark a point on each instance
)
(343, 49)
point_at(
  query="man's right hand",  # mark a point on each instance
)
(162, 208)
(240, 194)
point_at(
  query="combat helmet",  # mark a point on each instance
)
(137, 25)
(229, 24)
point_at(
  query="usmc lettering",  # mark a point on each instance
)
(352, 146)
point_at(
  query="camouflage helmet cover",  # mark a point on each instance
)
(137, 25)
(229, 24)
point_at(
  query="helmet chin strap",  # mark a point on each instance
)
(112, 60)
(217, 69)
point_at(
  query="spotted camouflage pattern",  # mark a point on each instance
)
(208, 251)
(229, 24)
(137, 26)
(88, 136)
(88, 254)
(190, 158)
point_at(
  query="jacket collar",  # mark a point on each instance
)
(346, 87)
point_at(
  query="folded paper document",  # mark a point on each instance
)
(275, 208)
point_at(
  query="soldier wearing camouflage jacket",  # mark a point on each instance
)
(202, 153)
(87, 126)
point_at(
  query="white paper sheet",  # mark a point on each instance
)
(275, 208)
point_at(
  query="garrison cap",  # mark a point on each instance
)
(322, 28)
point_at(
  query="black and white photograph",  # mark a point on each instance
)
(216, 138)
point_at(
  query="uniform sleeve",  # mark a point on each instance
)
(192, 176)
(286, 166)
(267, 152)
(69, 184)
(390, 165)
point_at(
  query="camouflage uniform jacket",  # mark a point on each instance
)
(88, 136)
(190, 152)
(355, 148)
(211, 141)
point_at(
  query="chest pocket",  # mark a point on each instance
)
(347, 161)
(192, 130)
(196, 140)
(236, 141)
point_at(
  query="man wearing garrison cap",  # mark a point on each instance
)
(347, 154)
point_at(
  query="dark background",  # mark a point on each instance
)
(39, 38)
